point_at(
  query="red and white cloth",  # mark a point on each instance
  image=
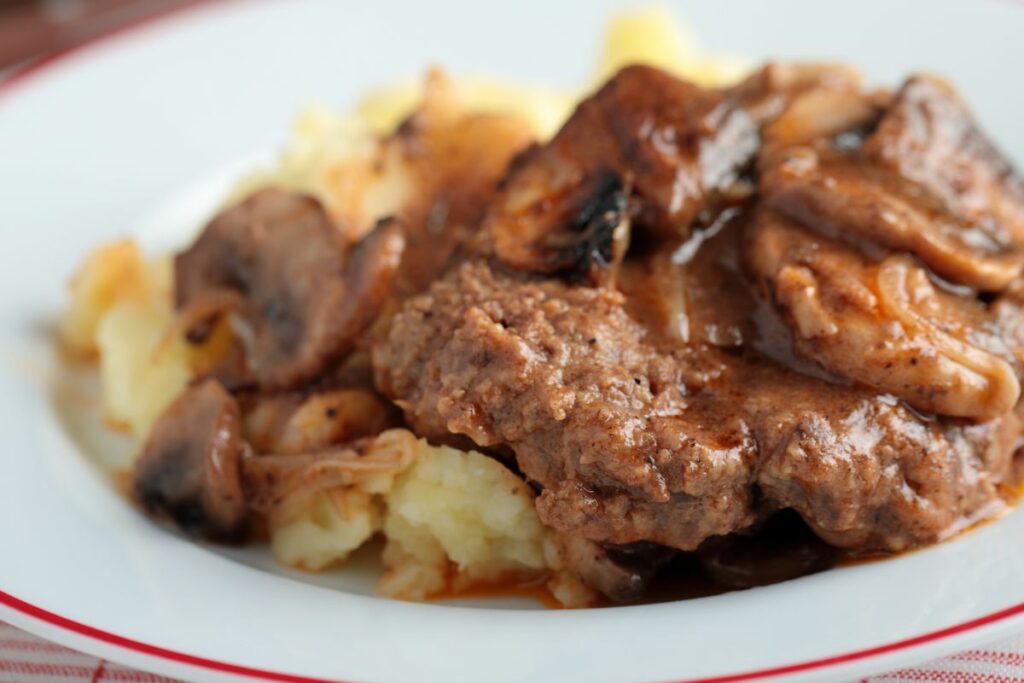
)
(1001, 662)
(27, 659)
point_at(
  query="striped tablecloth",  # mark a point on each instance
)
(27, 659)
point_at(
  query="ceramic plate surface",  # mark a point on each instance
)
(140, 133)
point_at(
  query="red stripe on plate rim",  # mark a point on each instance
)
(79, 628)
(37, 68)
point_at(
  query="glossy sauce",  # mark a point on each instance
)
(684, 578)
(516, 587)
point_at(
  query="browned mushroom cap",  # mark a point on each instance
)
(920, 182)
(371, 273)
(278, 262)
(295, 422)
(882, 322)
(826, 114)
(189, 468)
(930, 137)
(673, 147)
(584, 238)
(843, 197)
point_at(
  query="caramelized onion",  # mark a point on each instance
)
(278, 485)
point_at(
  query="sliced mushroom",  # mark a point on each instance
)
(824, 163)
(586, 239)
(189, 468)
(278, 263)
(818, 114)
(298, 423)
(674, 148)
(844, 197)
(930, 137)
(371, 272)
(883, 323)
(1008, 309)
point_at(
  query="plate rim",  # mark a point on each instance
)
(1004, 617)
(34, 69)
(29, 616)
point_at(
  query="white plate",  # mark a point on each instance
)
(90, 146)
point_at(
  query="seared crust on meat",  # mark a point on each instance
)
(803, 356)
(564, 377)
(625, 451)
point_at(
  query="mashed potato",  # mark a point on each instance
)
(542, 108)
(451, 518)
(654, 37)
(143, 367)
(325, 533)
(111, 274)
(333, 523)
(456, 518)
(120, 312)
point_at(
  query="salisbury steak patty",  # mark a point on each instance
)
(630, 443)
(798, 351)
(563, 376)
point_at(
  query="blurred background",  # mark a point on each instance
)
(32, 29)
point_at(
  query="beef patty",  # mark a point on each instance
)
(694, 309)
